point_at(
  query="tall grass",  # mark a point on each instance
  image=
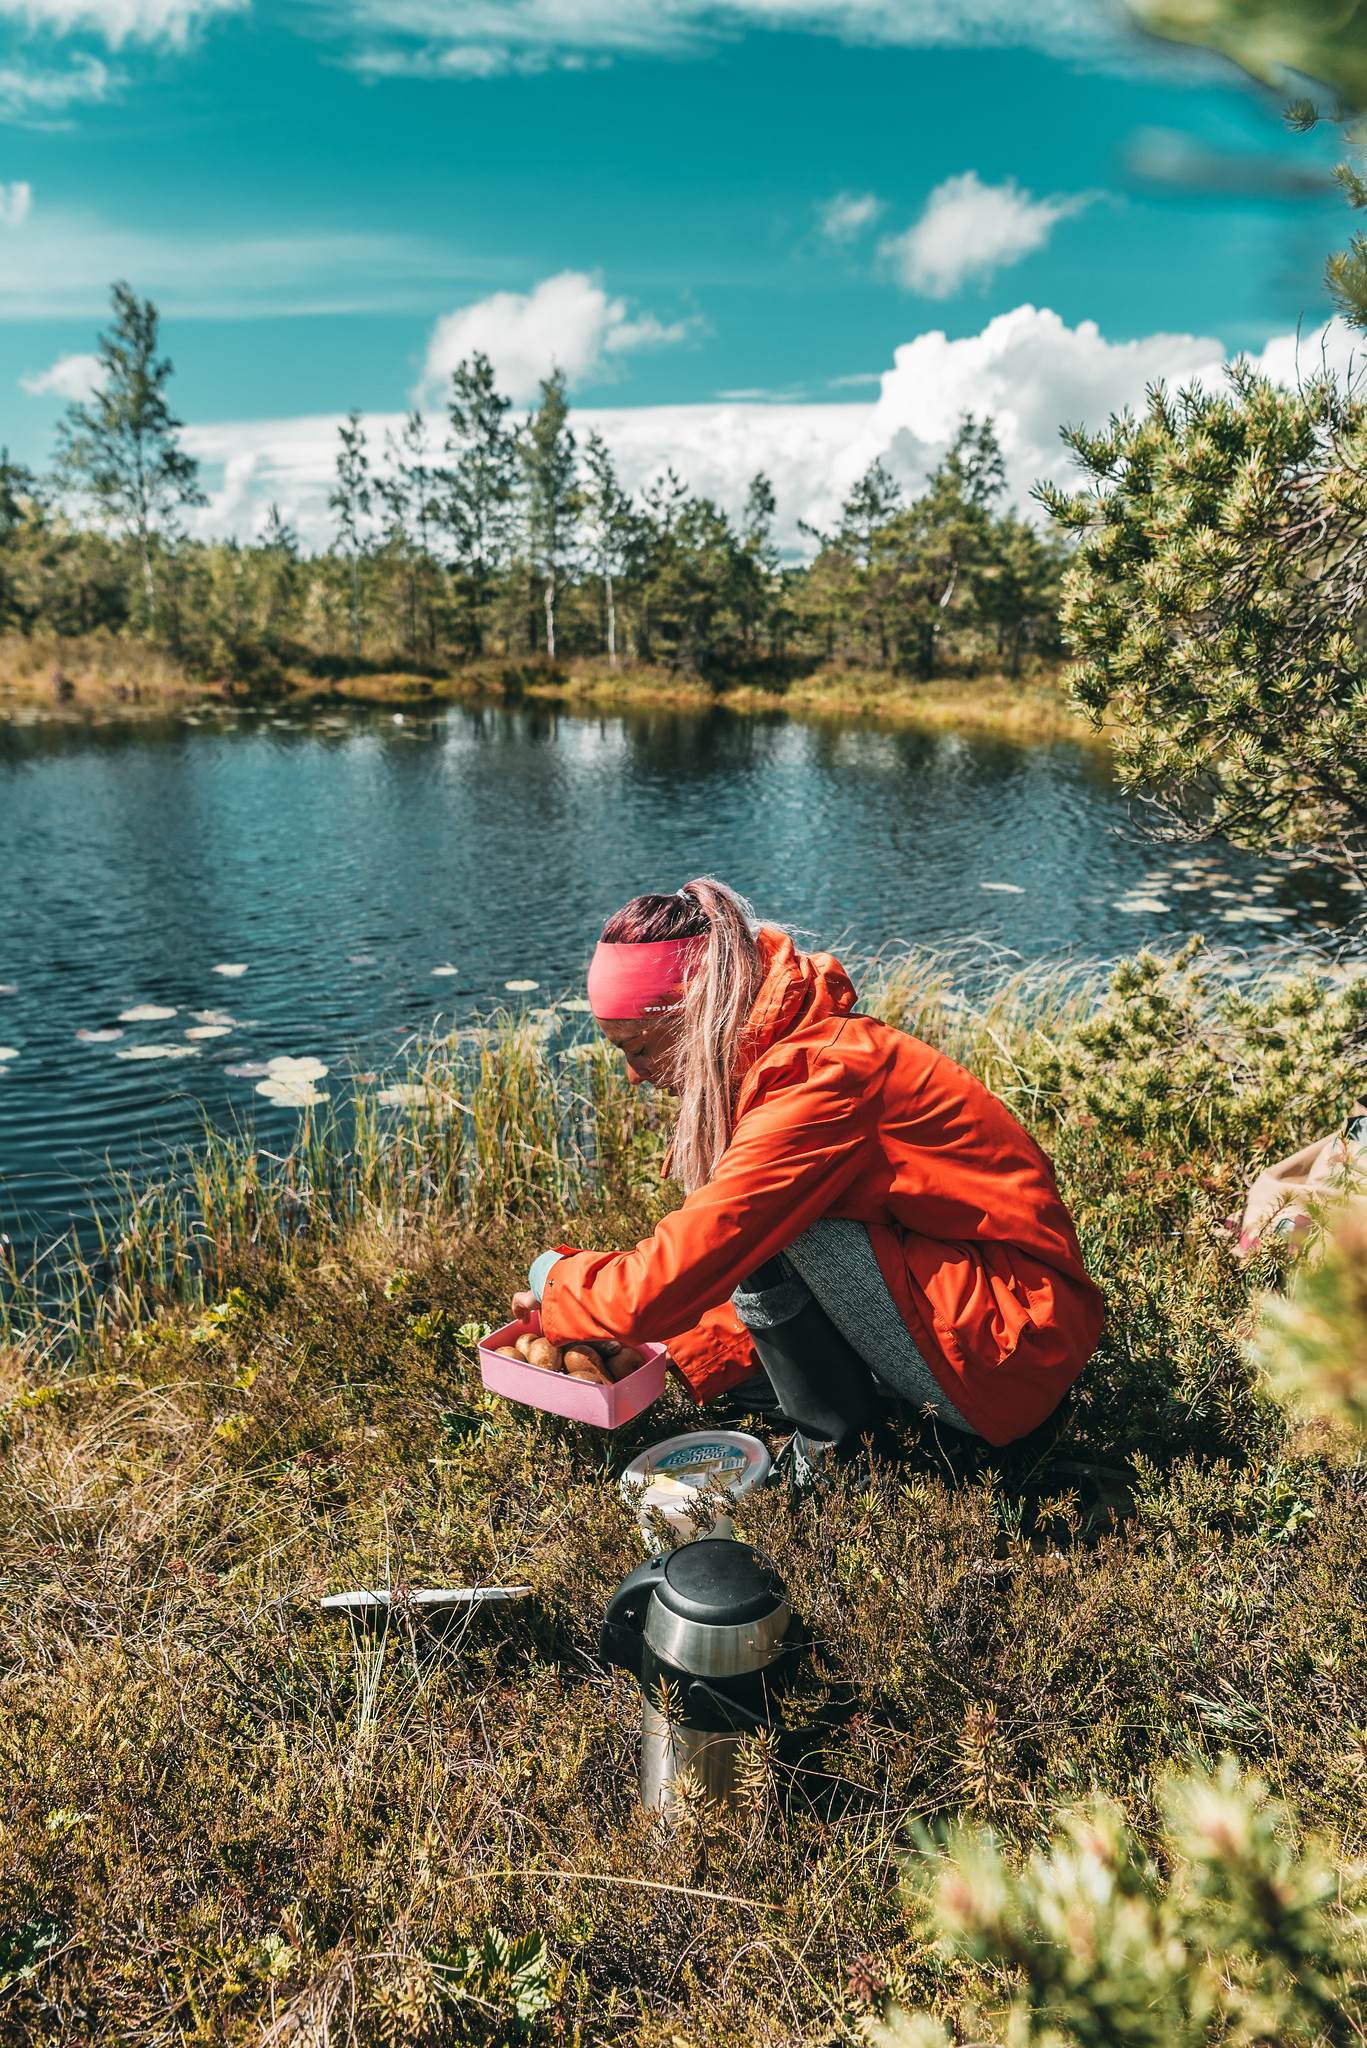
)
(513, 1119)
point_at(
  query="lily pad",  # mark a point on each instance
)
(290, 1093)
(9, 988)
(145, 1013)
(521, 988)
(248, 1070)
(105, 1037)
(296, 1070)
(156, 1052)
(1136, 904)
(362, 960)
(210, 1031)
(579, 1004)
(452, 970)
(9, 1052)
(1006, 889)
(231, 968)
(400, 1094)
(212, 1017)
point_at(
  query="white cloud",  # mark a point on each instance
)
(1027, 368)
(119, 21)
(34, 97)
(16, 200)
(481, 38)
(844, 218)
(968, 230)
(71, 376)
(567, 322)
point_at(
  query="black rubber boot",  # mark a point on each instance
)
(824, 1387)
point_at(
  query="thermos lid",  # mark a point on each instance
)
(719, 1583)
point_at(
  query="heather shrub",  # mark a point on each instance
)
(226, 1818)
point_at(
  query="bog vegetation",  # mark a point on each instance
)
(1079, 1755)
(476, 536)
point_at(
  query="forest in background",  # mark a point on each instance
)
(485, 536)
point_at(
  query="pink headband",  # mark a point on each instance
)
(644, 980)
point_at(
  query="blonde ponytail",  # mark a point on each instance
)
(719, 998)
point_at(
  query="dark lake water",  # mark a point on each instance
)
(346, 863)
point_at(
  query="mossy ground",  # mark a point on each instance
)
(225, 1820)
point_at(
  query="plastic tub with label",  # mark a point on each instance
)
(670, 1476)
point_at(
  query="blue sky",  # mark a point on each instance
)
(307, 190)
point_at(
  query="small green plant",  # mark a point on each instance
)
(510, 1980)
(23, 1949)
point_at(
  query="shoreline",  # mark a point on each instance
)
(110, 684)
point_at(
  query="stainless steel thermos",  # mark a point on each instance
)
(708, 1631)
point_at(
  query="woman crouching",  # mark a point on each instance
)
(861, 1215)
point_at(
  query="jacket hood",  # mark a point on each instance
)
(798, 988)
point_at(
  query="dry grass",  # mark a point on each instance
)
(94, 678)
(1030, 706)
(99, 679)
(227, 1821)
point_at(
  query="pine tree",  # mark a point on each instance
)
(927, 559)
(757, 564)
(18, 503)
(553, 499)
(1221, 563)
(350, 500)
(477, 495)
(120, 449)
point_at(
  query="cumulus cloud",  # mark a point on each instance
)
(1027, 368)
(483, 38)
(71, 376)
(969, 230)
(844, 218)
(16, 200)
(118, 22)
(567, 322)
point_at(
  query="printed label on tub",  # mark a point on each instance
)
(711, 1457)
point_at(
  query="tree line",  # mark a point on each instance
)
(487, 535)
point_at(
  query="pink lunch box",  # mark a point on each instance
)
(558, 1394)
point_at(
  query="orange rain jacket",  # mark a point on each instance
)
(840, 1115)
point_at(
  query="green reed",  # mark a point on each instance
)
(510, 1118)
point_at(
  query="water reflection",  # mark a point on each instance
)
(348, 860)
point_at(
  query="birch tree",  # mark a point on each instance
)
(608, 527)
(553, 498)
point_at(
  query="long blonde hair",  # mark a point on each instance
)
(718, 998)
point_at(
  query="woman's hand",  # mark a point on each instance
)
(525, 1305)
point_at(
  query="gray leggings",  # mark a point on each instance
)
(833, 1263)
